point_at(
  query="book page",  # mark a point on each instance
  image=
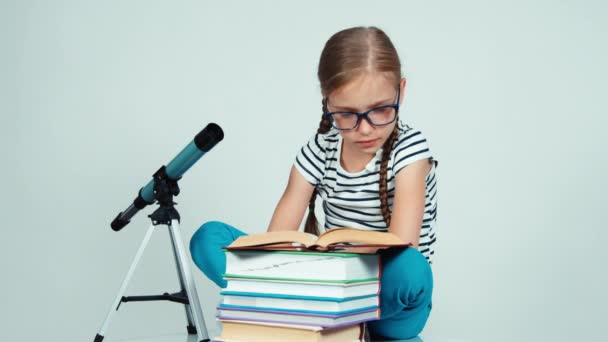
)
(284, 238)
(358, 236)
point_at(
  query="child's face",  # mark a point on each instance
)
(366, 92)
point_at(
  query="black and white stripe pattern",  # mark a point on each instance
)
(352, 199)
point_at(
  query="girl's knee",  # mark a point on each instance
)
(206, 249)
(208, 228)
(409, 259)
(217, 229)
(407, 275)
(211, 237)
(204, 238)
(199, 236)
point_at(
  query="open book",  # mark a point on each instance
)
(349, 240)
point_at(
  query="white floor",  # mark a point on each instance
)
(192, 338)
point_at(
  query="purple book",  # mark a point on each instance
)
(300, 318)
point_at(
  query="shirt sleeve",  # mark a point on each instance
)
(411, 146)
(310, 161)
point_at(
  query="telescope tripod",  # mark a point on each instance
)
(166, 215)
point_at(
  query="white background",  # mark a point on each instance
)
(96, 95)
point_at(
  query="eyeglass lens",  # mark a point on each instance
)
(378, 117)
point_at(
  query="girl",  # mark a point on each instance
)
(371, 170)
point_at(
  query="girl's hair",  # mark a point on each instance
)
(347, 55)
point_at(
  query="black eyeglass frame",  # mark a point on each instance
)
(329, 116)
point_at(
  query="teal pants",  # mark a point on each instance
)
(405, 291)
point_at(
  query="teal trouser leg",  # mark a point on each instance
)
(206, 249)
(405, 294)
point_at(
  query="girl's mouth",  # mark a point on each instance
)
(367, 143)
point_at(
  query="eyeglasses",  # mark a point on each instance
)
(378, 116)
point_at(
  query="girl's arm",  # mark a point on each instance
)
(291, 207)
(408, 205)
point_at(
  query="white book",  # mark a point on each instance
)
(286, 265)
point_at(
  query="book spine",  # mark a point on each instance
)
(223, 308)
(282, 321)
(300, 280)
(298, 311)
(271, 295)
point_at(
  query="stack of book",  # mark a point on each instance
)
(287, 286)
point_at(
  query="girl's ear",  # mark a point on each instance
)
(402, 87)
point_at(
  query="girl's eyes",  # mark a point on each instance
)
(344, 115)
(385, 110)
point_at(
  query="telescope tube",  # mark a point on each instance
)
(203, 142)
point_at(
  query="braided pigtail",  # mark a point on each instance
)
(386, 153)
(311, 221)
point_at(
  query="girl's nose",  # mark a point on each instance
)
(364, 126)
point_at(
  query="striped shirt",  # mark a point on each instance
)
(352, 199)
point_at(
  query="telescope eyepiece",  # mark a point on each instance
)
(119, 223)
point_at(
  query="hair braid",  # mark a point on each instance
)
(311, 221)
(386, 153)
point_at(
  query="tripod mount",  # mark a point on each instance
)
(165, 188)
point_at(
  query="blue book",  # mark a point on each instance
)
(300, 303)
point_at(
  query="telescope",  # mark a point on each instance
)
(202, 143)
(161, 190)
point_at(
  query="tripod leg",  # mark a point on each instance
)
(123, 287)
(180, 274)
(184, 267)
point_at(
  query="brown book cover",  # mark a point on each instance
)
(347, 240)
